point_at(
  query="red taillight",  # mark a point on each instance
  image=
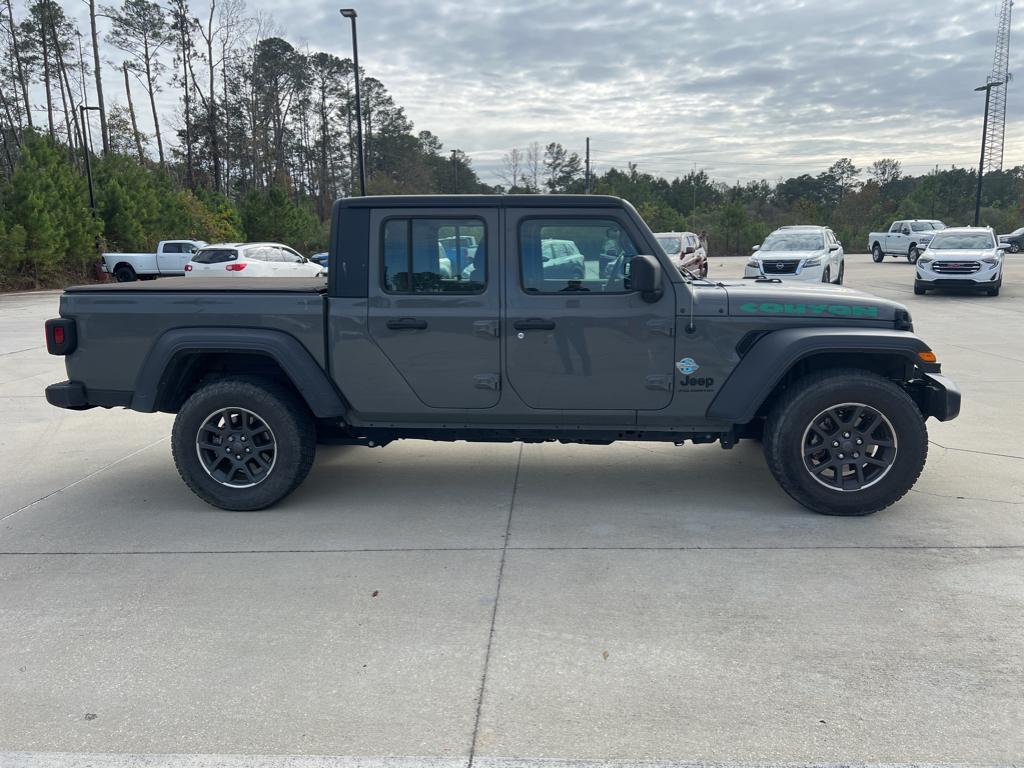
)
(61, 336)
(235, 267)
(188, 267)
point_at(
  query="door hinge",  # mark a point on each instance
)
(485, 327)
(660, 381)
(487, 381)
(664, 327)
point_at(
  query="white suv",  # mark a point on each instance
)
(805, 253)
(961, 257)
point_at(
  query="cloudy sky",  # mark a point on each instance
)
(747, 89)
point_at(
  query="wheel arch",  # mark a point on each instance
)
(780, 357)
(183, 359)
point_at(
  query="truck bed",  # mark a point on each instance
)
(211, 284)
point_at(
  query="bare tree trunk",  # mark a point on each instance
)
(18, 66)
(131, 113)
(14, 125)
(46, 70)
(211, 106)
(152, 105)
(65, 84)
(98, 72)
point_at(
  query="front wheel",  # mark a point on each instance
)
(876, 253)
(243, 443)
(845, 442)
(913, 255)
(826, 276)
(842, 273)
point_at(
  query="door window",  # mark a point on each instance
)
(434, 255)
(595, 257)
(897, 227)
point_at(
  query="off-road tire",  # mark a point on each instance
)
(876, 253)
(279, 408)
(913, 254)
(125, 274)
(808, 397)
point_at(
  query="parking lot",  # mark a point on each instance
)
(504, 605)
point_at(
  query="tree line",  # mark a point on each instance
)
(263, 140)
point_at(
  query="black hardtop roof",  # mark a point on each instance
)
(482, 201)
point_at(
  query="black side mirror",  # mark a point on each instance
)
(689, 249)
(645, 277)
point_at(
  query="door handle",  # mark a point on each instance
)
(407, 324)
(534, 324)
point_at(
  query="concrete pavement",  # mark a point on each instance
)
(446, 605)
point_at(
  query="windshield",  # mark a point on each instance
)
(963, 241)
(671, 245)
(215, 256)
(794, 241)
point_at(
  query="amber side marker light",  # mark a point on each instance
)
(928, 357)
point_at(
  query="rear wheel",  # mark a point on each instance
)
(845, 442)
(125, 274)
(243, 443)
(913, 254)
(876, 253)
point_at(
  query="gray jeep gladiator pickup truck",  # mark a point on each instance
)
(406, 340)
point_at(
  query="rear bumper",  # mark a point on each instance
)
(941, 397)
(75, 397)
(68, 394)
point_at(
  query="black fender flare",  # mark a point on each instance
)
(774, 354)
(309, 379)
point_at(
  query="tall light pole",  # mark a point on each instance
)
(87, 137)
(987, 88)
(350, 14)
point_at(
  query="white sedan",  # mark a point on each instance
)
(811, 254)
(250, 260)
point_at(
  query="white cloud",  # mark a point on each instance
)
(752, 89)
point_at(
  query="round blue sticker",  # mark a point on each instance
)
(687, 366)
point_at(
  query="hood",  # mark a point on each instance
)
(770, 299)
(962, 255)
(793, 255)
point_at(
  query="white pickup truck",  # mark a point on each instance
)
(906, 237)
(170, 259)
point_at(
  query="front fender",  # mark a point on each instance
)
(762, 368)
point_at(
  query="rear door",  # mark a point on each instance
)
(896, 241)
(590, 343)
(437, 323)
(172, 257)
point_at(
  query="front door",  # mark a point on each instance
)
(433, 311)
(590, 342)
